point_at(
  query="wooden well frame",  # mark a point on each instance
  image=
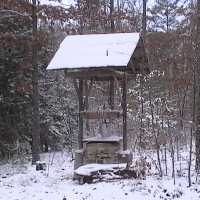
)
(137, 64)
(113, 75)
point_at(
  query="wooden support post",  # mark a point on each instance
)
(85, 104)
(112, 94)
(81, 108)
(87, 91)
(79, 91)
(124, 107)
(118, 89)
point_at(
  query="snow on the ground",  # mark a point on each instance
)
(23, 182)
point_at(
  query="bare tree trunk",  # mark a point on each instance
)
(173, 167)
(142, 115)
(111, 12)
(167, 17)
(193, 120)
(81, 19)
(158, 153)
(165, 158)
(190, 159)
(177, 147)
(172, 153)
(36, 114)
(104, 6)
(198, 89)
(112, 28)
(155, 136)
(144, 23)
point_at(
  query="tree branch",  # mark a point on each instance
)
(17, 13)
(13, 11)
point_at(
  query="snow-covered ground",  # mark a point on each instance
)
(21, 181)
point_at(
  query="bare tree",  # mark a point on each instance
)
(198, 88)
(36, 113)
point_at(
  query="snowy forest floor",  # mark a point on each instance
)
(20, 180)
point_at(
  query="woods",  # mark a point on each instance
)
(39, 108)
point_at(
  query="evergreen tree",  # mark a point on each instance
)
(15, 81)
(16, 68)
(163, 16)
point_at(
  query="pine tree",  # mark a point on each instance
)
(17, 45)
(15, 81)
(163, 16)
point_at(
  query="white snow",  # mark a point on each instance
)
(99, 138)
(100, 50)
(86, 170)
(25, 183)
(124, 152)
(79, 151)
(64, 3)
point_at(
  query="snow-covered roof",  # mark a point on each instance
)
(100, 50)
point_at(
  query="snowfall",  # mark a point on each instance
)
(20, 180)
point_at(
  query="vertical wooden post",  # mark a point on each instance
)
(79, 91)
(112, 95)
(85, 104)
(81, 108)
(124, 107)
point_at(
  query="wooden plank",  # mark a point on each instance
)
(96, 73)
(86, 73)
(121, 75)
(100, 114)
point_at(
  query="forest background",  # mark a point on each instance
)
(39, 106)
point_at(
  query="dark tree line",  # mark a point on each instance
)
(26, 49)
